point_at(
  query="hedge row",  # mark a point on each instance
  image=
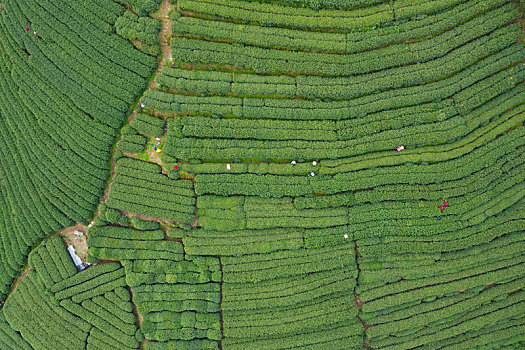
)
(147, 124)
(348, 109)
(143, 29)
(89, 274)
(55, 180)
(93, 287)
(274, 15)
(40, 320)
(261, 267)
(196, 344)
(52, 262)
(262, 60)
(353, 86)
(143, 7)
(138, 187)
(125, 233)
(122, 249)
(279, 37)
(132, 143)
(9, 338)
(204, 242)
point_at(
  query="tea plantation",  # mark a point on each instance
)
(262, 174)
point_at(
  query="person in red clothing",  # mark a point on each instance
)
(27, 29)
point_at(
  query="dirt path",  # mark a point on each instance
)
(79, 243)
(22, 275)
(165, 35)
(149, 218)
(68, 231)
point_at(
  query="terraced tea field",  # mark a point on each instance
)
(268, 174)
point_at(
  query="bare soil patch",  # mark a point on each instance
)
(22, 275)
(79, 243)
(165, 34)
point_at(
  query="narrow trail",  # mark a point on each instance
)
(19, 279)
(65, 231)
(69, 230)
(165, 35)
(358, 302)
(149, 218)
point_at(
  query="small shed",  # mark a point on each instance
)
(76, 259)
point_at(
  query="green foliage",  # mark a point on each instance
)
(9, 338)
(144, 225)
(143, 29)
(195, 344)
(274, 15)
(147, 124)
(143, 7)
(271, 37)
(40, 320)
(115, 216)
(264, 60)
(273, 258)
(138, 187)
(52, 262)
(87, 275)
(127, 233)
(70, 91)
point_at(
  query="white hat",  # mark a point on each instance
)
(314, 163)
(228, 166)
(312, 173)
(142, 105)
(293, 162)
(345, 236)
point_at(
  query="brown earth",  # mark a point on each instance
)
(165, 36)
(79, 243)
(67, 232)
(163, 15)
(22, 275)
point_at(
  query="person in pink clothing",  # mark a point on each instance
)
(27, 29)
(400, 148)
(441, 208)
(445, 203)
